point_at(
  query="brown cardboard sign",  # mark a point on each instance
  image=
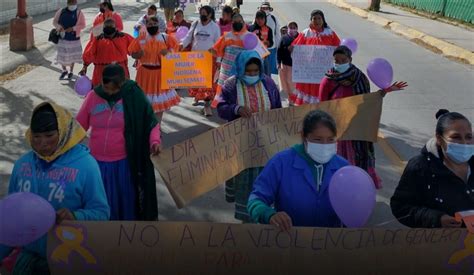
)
(212, 248)
(199, 164)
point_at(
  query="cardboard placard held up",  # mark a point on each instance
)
(211, 248)
(186, 70)
(311, 63)
(199, 164)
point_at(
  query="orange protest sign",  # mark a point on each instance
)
(186, 70)
(467, 217)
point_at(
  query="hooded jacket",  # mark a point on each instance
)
(428, 190)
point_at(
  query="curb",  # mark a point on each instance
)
(38, 53)
(432, 43)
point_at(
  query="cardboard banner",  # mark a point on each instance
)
(199, 164)
(311, 63)
(211, 248)
(186, 70)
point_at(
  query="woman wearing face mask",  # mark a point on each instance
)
(248, 91)
(226, 50)
(202, 36)
(296, 180)
(60, 170)
(318, 34)
(225, 22)
(284, 60)
(345, 80)
(109, 47)
(69, 22)
(148, 50)
(265, 34)
(124, 132)
(440, 181)
(106, 11)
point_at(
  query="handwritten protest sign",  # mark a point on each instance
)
(199, 164)
(186, 70)
(211, 248)
(262, 50)
(311, 63)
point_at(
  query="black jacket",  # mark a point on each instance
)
(256, 29)
(428, 189)
(283, 54)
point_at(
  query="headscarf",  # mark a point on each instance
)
(241, 62)
(353, 77)
(70, 131)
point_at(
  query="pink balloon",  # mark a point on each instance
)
(380, 72)
(250, 41)
(352, 195)
(350, 43)
(24, 218)
(182, 32)
(83, 85)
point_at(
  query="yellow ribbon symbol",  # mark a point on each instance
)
(462, 254)
(72, 238)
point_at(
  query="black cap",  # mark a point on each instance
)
(343, 50)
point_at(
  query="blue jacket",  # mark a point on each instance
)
(72, 181)
(288, 183)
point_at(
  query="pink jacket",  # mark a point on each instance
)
(107, 141)
(80, 25)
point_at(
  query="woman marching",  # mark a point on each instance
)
(202, 36)
(318, 33)
(345, 80)
(265, 34)
(109, 47)
(106, 11)
(226, 49)
(248, 91)
(148, 49)
(69, 22)
(124, 132)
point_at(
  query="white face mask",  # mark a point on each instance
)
(321, 153)
(72, 7)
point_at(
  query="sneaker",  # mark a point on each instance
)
(70, 75)
(63, 75)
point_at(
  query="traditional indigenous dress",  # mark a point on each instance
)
(227, 47)
(307, 93)
(98, 24)
(259, 97)
(202, 38)
(123, 129)
(102, 51)
(69, 46)
(350, 83)
(149, 69)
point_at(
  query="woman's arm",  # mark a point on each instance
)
(56, 20)
(405, 202)
(81, 23)
(228, 107)
(83, 116)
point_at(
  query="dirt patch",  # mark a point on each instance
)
(426, 45)
(21, 70)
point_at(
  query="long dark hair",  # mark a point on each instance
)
(445, 119)
(319, 12)
(210, 11)
(315, 118)
(108, 5)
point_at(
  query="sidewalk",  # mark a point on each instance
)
(11, 60)
(452, 41)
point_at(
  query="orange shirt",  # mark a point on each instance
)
(152, 46)
(101, 17)
(101, 50)
(228, 39)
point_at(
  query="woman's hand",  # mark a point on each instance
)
(64, 214)
(138, 55)
(244, 112)
(212, 51)
(164, 52)
(397, 86)
(449, 222)
(155, 149)
(71, 29)
(282, 221)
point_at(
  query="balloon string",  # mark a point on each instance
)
(392, 220)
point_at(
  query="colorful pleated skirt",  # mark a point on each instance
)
(149, 79)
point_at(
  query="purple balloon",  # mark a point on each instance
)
(24, 218)
(351, 43)
(380, 72)
(352, 195)
(182, 32)
(250, 41)
(83, 85)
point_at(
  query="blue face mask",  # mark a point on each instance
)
(459, 153)
(250, 80)
(342, 68)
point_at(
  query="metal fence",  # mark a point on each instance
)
(456, 9)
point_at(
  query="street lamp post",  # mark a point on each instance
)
(21, 29)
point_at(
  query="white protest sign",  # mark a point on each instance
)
(310, 63)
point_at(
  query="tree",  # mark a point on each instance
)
(374, 5)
